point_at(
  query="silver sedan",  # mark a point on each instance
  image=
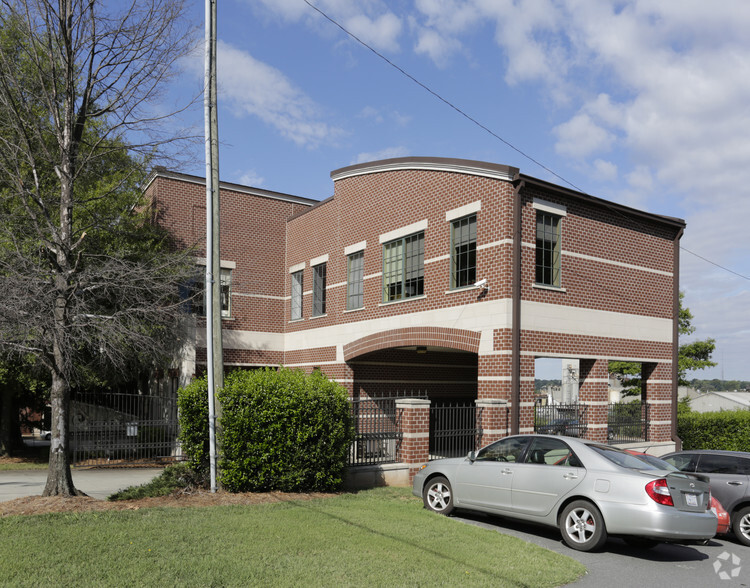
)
(587, 490)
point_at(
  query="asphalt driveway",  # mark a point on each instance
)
(723, 562)
(97, 483)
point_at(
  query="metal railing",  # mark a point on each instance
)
(377, 432)
(453, 429)
(561, 419)
(627, 421)
(123, 429)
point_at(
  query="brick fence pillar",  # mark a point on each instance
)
(414, 416)
(594, 394)
(492, 420)
(656, 383)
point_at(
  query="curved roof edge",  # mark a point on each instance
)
(461, 166)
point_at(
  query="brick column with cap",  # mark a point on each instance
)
(414, 416)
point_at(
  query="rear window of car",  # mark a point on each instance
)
(622, 458)
(723, 464)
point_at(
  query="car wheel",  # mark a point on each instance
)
(741, 525)
(582, 526)
(438, 496)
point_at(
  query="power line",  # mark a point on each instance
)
(488, 130)
(439, 97)
(726, 269)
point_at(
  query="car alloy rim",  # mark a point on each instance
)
(580, 525)
(439, 496)
(745, 525)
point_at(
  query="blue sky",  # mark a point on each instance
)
(639, 102)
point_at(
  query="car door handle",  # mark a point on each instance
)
(734, 483)
(571, 476)
(507, 471)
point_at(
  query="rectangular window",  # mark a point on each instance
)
(225, 299)
(547, 249)
(355, 280)
(403, 268)
(464, 251)
(319, 290)
(296, 295)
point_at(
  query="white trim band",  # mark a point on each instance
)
(551, 207)
(403, 231)
(355, 248)
(462, 211)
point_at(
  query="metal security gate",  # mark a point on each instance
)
(123, 430)
(377, 431)
(453, 429)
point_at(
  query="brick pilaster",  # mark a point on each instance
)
(594, 394)
(414, 416)
(493, 420)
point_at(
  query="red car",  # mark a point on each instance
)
(721, 514)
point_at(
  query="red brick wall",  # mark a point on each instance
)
(253, 236)
(613, 260)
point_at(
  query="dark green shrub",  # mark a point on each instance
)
(283, 430)
(192, 403)
(179, 476)
(728, 430)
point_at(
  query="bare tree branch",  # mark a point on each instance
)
(86, 283)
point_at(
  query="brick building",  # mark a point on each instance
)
(443, 277)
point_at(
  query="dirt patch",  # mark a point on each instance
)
(33, 505)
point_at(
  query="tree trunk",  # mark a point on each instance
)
(6, 404)
(59, 478)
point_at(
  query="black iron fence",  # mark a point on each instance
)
(453, 429)
(377, 432)
(123, 429)
(628, 421)
(561, 419)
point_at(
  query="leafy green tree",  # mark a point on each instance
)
(691, 356)
(88, 285)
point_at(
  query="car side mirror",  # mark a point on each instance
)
(472, 455)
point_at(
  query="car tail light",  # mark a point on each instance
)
(659, 492)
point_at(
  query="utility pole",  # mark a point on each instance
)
(214, 353)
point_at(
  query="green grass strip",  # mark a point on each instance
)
(381, 537)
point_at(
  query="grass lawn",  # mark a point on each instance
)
(380, 537)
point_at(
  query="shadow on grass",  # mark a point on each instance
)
(445, 555)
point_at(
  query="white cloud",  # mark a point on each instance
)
(604, 171)
(251, 178)
(581, 136)
(641, 179)
(439, 48)
(370, 20)
(381, 116)
(387, 153)
(249, 87)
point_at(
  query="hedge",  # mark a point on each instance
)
(729, 430)
(192, 404)
(279, 430)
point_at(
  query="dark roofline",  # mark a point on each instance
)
(164, 173)
(620, 208)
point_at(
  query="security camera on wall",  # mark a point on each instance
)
(481, 284)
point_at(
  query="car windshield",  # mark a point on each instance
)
(621, 458)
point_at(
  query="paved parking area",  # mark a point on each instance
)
(97, 483)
